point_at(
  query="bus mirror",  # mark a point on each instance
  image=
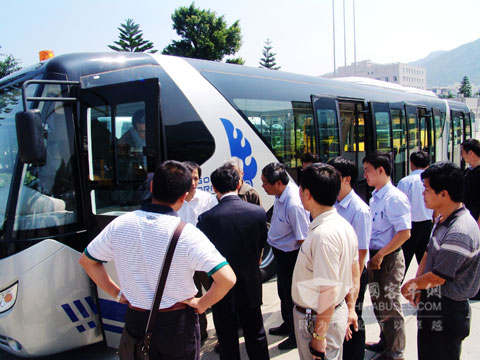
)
(30, 137)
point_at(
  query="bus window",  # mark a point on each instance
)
(383, 127)
(327, 127)
(438, 123)
(457, 136)
(412, 129)
(468, 126)
(117, 159)
(399, 128)
(286, 126)
(47, 197)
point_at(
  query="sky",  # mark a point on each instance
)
(301, 31)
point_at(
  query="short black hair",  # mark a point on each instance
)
(420, 158)
(274, 172)
(138, 118)
(377, 159)
(172, 179)
(471, 145)
(445, 176)
(308, 157)
(323, 182)
(346, 168)
(192, 165)
(225, 179)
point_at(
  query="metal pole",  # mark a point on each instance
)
(344, 39)
(334, 61)
(354, 43)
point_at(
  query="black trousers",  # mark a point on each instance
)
(251, 321)
(285, 265)
(201, 279)
(417, 244)
(442, 325)
(354, 349)
(176, 335)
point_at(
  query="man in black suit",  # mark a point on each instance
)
(238, 230)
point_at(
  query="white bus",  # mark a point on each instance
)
(64, 173)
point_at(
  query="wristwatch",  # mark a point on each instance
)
(318, 337)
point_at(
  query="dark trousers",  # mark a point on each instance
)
(285, 265)
(384, 286)
(251, 321)
(354, 349)
(442, 325)
(200, 279)
(176, 335)
(417, 244)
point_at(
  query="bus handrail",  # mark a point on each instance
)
(35, 98)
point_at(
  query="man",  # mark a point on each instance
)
(412, 186)
(325, 269)
(135, 136)
(246, 192)
(449, 273)
(238, 230)
(308, 158)
(391, 224)
(470, 150)
(196, 203)
(288, 228)
(137, 242)
(353, 209)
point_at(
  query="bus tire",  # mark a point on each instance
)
(268, 266)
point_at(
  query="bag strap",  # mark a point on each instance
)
(167, 261)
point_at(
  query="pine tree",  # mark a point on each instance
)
(465, 87)
(268, 60)
(131, 39)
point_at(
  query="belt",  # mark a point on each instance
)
(304, 310)
(374, 252)
(174, 307)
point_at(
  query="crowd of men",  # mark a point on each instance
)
(328, 245)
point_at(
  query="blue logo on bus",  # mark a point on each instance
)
(87, 322)
(242, 152)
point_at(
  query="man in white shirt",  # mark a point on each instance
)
(326, 270)
(412, 186)
(137, 242)
(195, 204)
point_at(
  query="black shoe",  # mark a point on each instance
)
(280, 330)
(203, 337)
(375, 347)
(288, 344)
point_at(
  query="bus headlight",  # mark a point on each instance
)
(8, 297)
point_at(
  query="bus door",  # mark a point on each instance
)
(352, 137)
(399, 130)
(426, 130)
(121, 136)
(456, 136)
(438, 149)
(326, 123)
(413, 133)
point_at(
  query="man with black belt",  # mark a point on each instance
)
(288, 228)
(137, 242)
(391, 224)
(326, 271)
(449, 273)
(239, 231)
(353, 209)
(412, 186)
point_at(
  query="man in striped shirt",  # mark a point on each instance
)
(137, 242)
(449, 273)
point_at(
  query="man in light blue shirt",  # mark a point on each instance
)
(391, 224)
(353, 209)
(288, 229)
(412, 186)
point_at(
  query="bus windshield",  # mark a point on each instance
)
(10, 104)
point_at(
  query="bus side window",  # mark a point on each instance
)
(399, 144)
(383, 126)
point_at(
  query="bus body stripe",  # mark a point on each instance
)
(112, 310)
(112, 328)
(82, 309)
(92, 305)
(70, 312)
(81, 328)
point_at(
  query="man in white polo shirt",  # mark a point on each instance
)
(137, 242)
(326, 268)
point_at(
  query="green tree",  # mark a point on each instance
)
(204, 35)
(131, 39)
(238, 61)
(268, 60)
(8, 65)
(465, 87)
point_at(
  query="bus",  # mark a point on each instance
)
(65, 173)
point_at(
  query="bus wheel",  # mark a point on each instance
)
(268, 266)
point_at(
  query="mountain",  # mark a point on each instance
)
(445, 68)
